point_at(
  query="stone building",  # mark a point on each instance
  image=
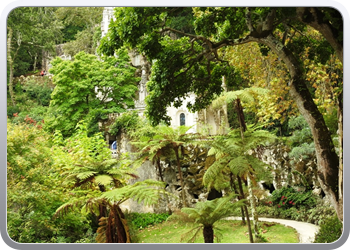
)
(207, 120)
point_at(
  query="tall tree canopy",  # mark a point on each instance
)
(30, 30)
(81, 28)
(186, 62)
(88, 88)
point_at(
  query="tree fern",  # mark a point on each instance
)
(75, 203)
(148, 191)
(208, 212)
(247, 95)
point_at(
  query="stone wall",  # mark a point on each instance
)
(192, 171)
(289, 172)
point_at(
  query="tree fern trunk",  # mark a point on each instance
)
(122, 230)
(208, 234)
(245, 210)
(253, 208)
(234, 188)
(176, 149)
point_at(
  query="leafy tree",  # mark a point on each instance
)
(232, 152)
(30, 30)
(86, 86)
(207, 213)
(34, 190)
(77, 20)
(82, 30)
(192, 63)
(99, 183)
(127, 122)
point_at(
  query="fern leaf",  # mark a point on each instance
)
(104, 180)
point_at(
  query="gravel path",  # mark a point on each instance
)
(306, 231)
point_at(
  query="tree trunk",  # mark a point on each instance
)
(327, 159)
(234, 188)
(253, 208)
(243, 128)
(10, 63)
(122, 229)
(176, 149)
(208, 234)
(316, 19)
(160, 169)
(245, 210)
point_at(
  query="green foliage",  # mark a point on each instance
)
(41, 92)
(301, 140)
(177, 69)
(288, 197)
(330, 230)
(232, 154)
(11, 110)
(86, 160)
(203, 78)
(209, 212)
(143, 220)
(88, 85)
(148, 191)
(69, 32)
(35, 29)
(78, 19)
(315, 215)
(34, 117)
(301, 132)
(85, 40)
(128, 122)
(34, 189)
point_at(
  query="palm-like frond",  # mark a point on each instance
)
(148, 191)
(74, 203)
(83, 175)
(247, 95)
(104, 180)
(210, 211)
(191, 235)
(213, 172)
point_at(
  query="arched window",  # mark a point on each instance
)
(182, 119)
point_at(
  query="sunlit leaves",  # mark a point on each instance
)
(88, 86)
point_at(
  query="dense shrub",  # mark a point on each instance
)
(142, 220)
(315, 215)
(330, 230)
(11, 110)
(34, 190)
(288, 197)
(35, 116)
(40, 92)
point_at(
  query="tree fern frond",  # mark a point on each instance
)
(85, 175)
(191, 238)
(103, 179)
(69, 206)
(212, 172)
(148, 191)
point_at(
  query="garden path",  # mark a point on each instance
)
(306, 231)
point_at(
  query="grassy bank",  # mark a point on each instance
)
(229, 232)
